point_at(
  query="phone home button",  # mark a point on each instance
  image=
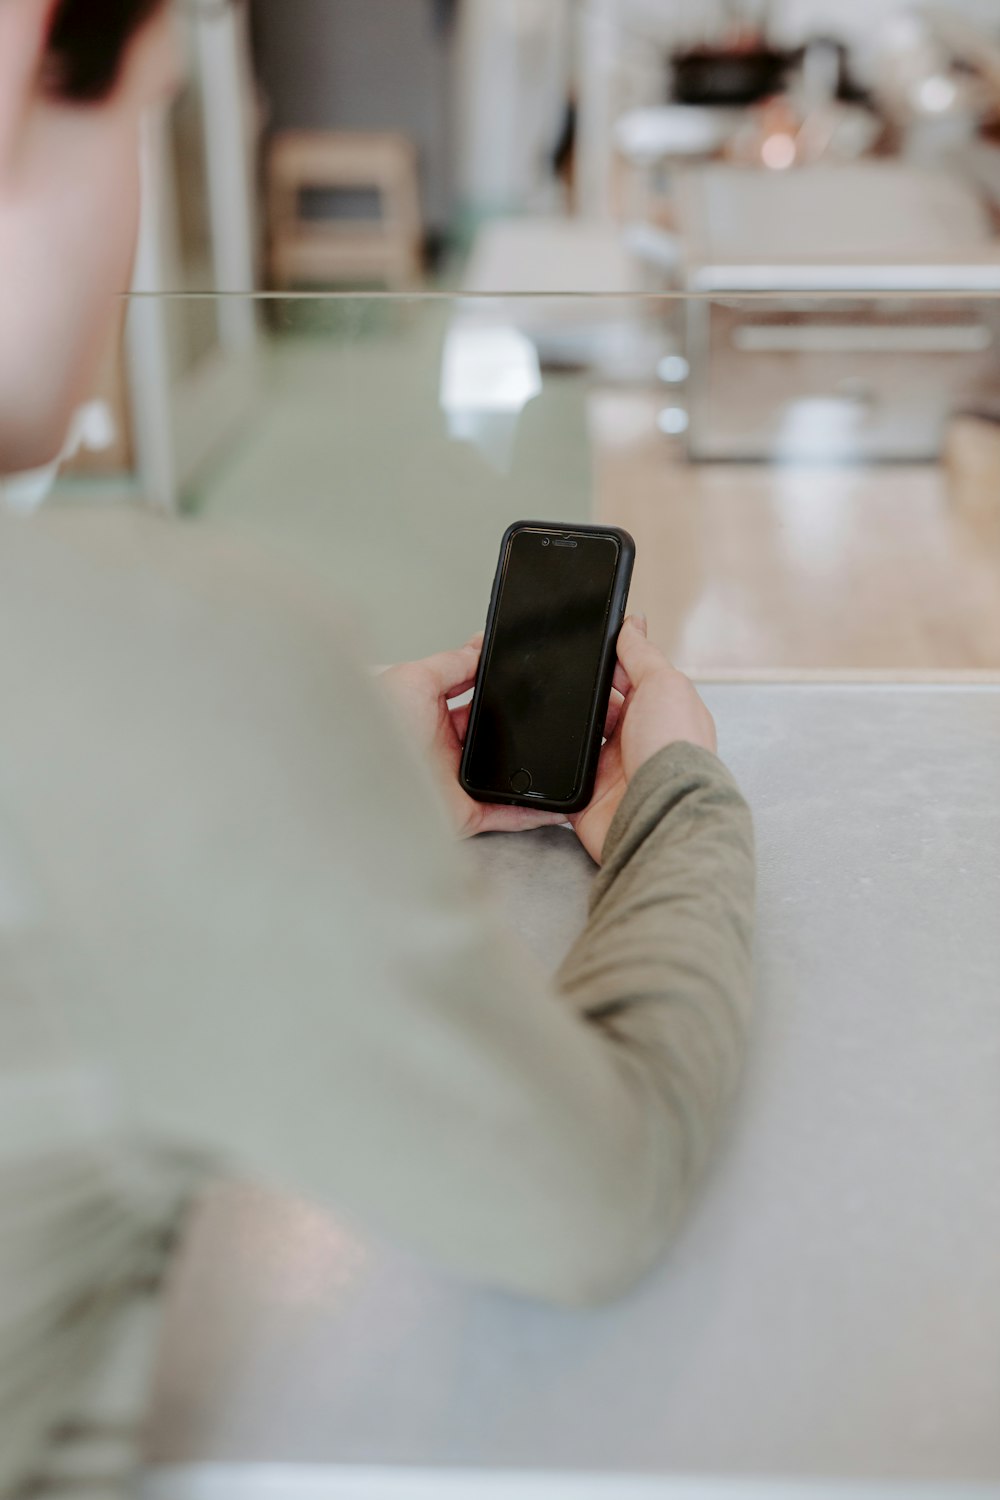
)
(520, 782)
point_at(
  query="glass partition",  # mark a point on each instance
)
(813, 480)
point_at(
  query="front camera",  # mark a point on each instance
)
(545, 541)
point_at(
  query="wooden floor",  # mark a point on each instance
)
(747, 570)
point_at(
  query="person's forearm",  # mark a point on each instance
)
(664, 963)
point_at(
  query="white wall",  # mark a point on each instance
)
(514, 64)
(858, 22)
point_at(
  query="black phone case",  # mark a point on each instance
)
(602, 693)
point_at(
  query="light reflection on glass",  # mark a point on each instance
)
(489, 373)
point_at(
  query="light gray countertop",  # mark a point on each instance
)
(832, 1306)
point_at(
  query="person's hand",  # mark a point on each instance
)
(652, 705)
(421, 691)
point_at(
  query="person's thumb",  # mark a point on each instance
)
(636, 654)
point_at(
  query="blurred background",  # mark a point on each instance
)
(726, 272)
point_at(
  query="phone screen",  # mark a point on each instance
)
(541, 672)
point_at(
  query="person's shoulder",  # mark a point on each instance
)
(168, 583)
(175, 645)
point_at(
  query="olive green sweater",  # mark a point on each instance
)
(229, 888)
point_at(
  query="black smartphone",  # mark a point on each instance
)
(544, 680)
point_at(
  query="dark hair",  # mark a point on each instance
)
(87, 40)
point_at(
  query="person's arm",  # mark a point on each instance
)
(663, 966)
(665, 960)
(296, 973)
(662, 971)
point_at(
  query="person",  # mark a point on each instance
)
(236, 930)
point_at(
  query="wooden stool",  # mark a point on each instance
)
(385, 249)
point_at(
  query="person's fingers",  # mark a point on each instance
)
(496, 818)
(476, 640)
(615, 705)
(636, 654)
(460, 720)
(452, 672)
(621, 679)
(460, 690)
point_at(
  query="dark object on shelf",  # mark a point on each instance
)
(445, 12)
(562, 156)
(730, 77)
